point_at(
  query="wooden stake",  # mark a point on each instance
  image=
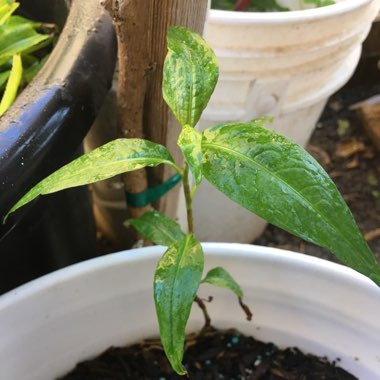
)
(141, 27)
(160, 124)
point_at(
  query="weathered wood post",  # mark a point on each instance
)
(141, 27)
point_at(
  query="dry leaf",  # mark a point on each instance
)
(336, 174)
(351, 197)
(349, 148)
(371, 235)
(370, 101)
(354, 163)
(336, 105)
(319, 154)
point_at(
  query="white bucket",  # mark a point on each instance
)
(74, 314)
(281, 64)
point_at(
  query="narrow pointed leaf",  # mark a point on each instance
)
(17, 20)
(158, 228)
(176, 282)
(13, 84)
(33, 69)
(6, 11)
(279, 181)
(6, 2)
(190, 75)
(190, 143)
(17, 37)
(220, 277)
(116, 157)
(320, 3)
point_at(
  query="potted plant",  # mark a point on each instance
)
(283, 64)
(76, 313)
(43, 130)
(258, 168)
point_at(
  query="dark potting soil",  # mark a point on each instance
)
(210, 355)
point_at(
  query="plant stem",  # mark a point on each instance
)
(202, 306)
(246, 309)
(188, 198)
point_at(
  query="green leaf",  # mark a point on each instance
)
(266, 6)
(190, 75)
(6, 2)
(320, 3)
(32, 71)
(3, 78)
(176, 282)
(116, 157)
(220, 277)
(16, 21)
(226, 5)
(190, 143)
(13, 84)
(6, 10)
(157, 227)
(18, 37)
(254, 6)
(279, 181)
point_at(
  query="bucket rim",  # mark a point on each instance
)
(231, 17)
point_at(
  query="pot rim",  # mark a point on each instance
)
(82, 309)
(298, 260)
(290, 17)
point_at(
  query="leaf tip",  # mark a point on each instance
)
(180, 369)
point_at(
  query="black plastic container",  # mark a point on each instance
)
(42, 131)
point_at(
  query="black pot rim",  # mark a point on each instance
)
(48, 121)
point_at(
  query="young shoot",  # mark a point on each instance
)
(259, 169)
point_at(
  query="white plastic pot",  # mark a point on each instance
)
(50, 324)
(282, 64)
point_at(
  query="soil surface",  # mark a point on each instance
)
(213, 355)
(342, 147)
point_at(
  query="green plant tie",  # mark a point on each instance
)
(152, 194)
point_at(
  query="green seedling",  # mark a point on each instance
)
(259, 169)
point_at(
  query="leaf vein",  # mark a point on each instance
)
(280, 180)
